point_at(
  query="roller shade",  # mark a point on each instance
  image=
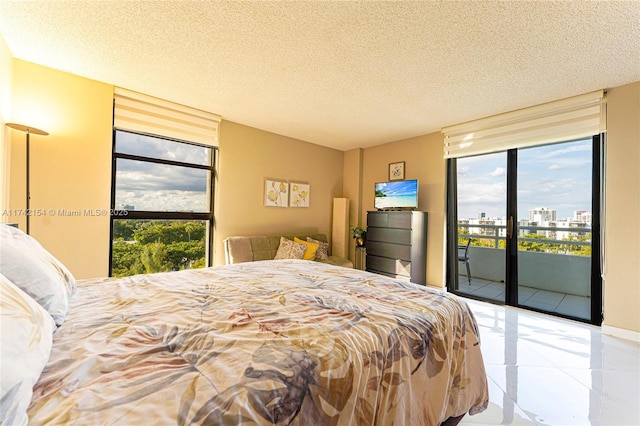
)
(145, 114)
(559, 121)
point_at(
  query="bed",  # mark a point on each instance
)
(268, 342)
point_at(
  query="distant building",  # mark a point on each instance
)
(582, 216)
(540, 217)
(542, 214)
(546, 218)
(485, 226)
(526, 223)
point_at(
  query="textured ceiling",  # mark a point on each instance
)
(339, 74)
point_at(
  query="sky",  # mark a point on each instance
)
(159, 187)
(553, 176)
(557, 177)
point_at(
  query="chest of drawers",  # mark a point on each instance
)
(397, 244)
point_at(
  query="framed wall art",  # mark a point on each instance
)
(276, 193)
(299, 194)
(396, 171)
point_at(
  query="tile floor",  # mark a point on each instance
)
(549, 301)
(545, 370)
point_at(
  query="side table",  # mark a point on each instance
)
(361, 258)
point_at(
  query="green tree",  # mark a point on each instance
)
(154, 258)
(199, 263)
(181, 254)
(579, 250)
(123, 228)
(524, 245)
(125, 260)
(195, 230)
(167, 232)
(477, 239)
(147, 246)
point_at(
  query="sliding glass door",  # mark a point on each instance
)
(531, 217)
(554, 228)
(481, 206)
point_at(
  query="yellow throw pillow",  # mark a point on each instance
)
(310, 252)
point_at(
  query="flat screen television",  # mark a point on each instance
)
(398, 194)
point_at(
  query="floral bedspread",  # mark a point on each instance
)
(271, 342)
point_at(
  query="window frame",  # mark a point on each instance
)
(118, 214)
(598, 143)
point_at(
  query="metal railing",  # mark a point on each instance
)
(494, 234)
(561, 271)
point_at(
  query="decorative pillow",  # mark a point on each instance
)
(310, 251)
(26, 334)
(35, 271)
(323, 249)
(290, 249)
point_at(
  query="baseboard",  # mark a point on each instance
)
(621, 333)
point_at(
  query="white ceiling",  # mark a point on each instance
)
(338, 74)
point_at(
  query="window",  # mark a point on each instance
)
(533, 217)
(162, 204)
(540, 169)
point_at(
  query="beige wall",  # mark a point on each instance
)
(6, 77)
(423, 157)
(352, 189)
(622, 236)
(70, 168)
(248, 156)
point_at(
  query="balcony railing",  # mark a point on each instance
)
(498, 233)
(553, 271)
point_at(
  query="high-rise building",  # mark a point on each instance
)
(542, 214)
(582, 216)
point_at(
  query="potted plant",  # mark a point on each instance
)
(359, 234)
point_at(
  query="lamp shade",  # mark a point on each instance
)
(27, 129)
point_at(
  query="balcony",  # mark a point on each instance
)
(553, 282)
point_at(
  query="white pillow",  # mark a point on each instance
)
(290, 249)
(26, 334)
(35, 271)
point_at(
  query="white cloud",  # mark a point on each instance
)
(555, 176)
(573, 148)
(499, 171)
(167, 200)
(464, 170)
(480, 197)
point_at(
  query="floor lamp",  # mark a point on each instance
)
(28, 130)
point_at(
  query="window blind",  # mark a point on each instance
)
(140, 113)
(558, 121)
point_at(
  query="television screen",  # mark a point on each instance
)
(400, 194)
